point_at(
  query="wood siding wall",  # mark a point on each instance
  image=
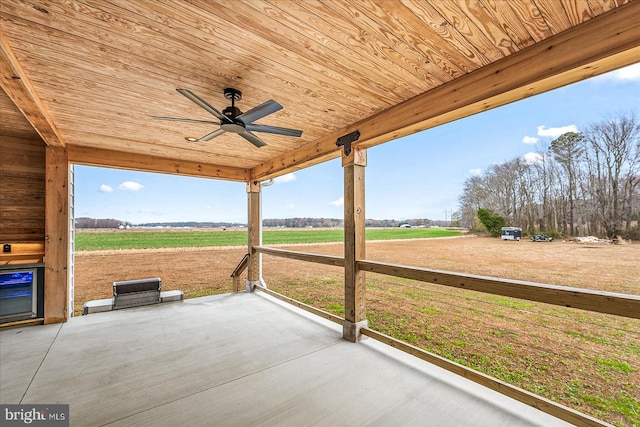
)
(22, 178)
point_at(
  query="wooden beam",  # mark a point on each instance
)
(302, 256)
(604, 43)
(16, 84)
(585, 299)
(140, 162)
(56, 247)
(545, 405)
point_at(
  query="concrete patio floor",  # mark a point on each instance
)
(236, 359)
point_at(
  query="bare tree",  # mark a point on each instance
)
(567, 150)
(614, 162)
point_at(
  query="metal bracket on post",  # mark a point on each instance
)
(346, 141)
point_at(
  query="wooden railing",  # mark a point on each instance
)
(237, 272)
(302, 256)
(597, 301)
(586, 299)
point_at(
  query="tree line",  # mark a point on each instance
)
(581, 183)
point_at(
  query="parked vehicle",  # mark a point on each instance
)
(541, 238)
(511, 233)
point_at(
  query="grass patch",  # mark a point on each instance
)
(336, 308)
(509, 302)
(137, 239)
(615, 365)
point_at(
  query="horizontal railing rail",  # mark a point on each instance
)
(302, 256)
(586, 299)
(618, 304)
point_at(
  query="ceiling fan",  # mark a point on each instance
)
(231, 119)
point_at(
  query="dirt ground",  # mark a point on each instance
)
(584, 360)
(200, 271)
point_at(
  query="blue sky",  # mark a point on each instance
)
(418, 176)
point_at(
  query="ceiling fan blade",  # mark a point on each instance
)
(260, 111)
(204, 104)
(212, 135)
(274, 129)
(252, 139)
(180, 119)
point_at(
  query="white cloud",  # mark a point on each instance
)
(337, 202)
(130, 186)
(531, 158)
(475, 171)
(530, 139)
(106, 188)
(556, 132)
(632, 72)
(285, 178)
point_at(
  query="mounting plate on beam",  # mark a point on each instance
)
(347, 140)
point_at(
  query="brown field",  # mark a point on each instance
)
(587, 361)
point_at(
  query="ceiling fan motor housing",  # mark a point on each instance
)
(231, 112)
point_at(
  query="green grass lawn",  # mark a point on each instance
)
(137, 239)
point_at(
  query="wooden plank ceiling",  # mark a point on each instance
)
(89, 74)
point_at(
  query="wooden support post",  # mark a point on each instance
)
(354, 243)
(56, 248)
(255, 234)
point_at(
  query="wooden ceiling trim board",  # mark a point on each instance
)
(601, 6)
(394, 47)
(364, 53)
(577, 11)
(353, 39)
(486, 23)
(610, 40)
(554, 15)
(442, 60)
(531, 18)
(124, 160)
(511, 24)
(371, 92)
(16, 84)
(596, 7)
(448, 41)
(458, 19)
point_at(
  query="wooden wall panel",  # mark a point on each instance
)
(22, 178)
